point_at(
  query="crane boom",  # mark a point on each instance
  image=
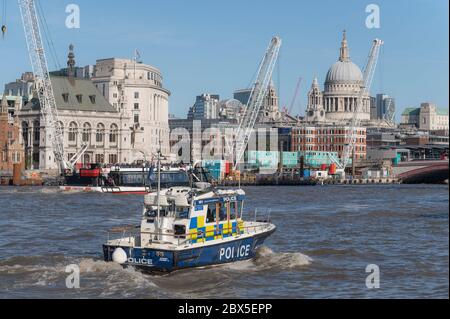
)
(256, 100)
(369, 72)
(44, 88)
(389, 114)
(297, 91)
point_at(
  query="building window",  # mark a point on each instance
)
(86, 159)
(65, 97)
(136, 118)
(114, 131)
(80, 98)
(136, 106)
(112, 158)
(99, 134)
(99, 158)
(37, 132)
(16, 157)
(73, 131)
(92, 98)
(86, 133)
(115, 95)
(136, 95)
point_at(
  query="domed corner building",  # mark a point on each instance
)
(342, 88)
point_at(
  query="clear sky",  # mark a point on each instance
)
(212, 46)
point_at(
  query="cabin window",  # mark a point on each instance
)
(133, 179)
(179, 230)
(240, 208)
(234, 210)
(182, 213)
(211, 213)
(222, 211)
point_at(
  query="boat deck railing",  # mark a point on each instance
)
(130, 233)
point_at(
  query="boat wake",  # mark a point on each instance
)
(23, 272)
(267, 259)
(50, 190)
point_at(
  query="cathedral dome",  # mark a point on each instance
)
(344, 71)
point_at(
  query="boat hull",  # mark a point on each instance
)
(108, 190)
(157, 260)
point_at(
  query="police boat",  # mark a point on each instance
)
(186, 227)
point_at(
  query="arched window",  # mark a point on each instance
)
(36, 131)
(73, 132)
(25, 130)
(113, 134)
(100, 133)
(86, 132)
(86, 159)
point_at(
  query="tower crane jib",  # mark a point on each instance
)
(256, 100)
(44, 89)
(369, 72)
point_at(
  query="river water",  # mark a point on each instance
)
(326, 237)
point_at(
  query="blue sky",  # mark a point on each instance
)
(215, 46)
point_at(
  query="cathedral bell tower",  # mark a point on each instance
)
(71, 62)
(315, 111)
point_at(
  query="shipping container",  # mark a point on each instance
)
(316, 158)
(264, 159)
(290, 159)
(90, 172)
(307, 173)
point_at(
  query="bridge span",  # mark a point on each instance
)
(417, 172)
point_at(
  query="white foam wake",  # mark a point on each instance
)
(268, 258)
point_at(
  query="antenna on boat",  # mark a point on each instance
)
(239, 180)
(159, 184)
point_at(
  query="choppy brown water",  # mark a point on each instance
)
(325, 239)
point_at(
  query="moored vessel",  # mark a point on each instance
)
(124, 179)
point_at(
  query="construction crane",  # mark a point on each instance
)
(369, 72)
(389, 114)
(294, 99)
(256, 100)
(44, 87)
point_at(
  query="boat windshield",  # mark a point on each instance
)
(203, 175)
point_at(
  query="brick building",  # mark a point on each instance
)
(11, 150)
(327, 138)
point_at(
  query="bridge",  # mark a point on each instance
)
(414, 172)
